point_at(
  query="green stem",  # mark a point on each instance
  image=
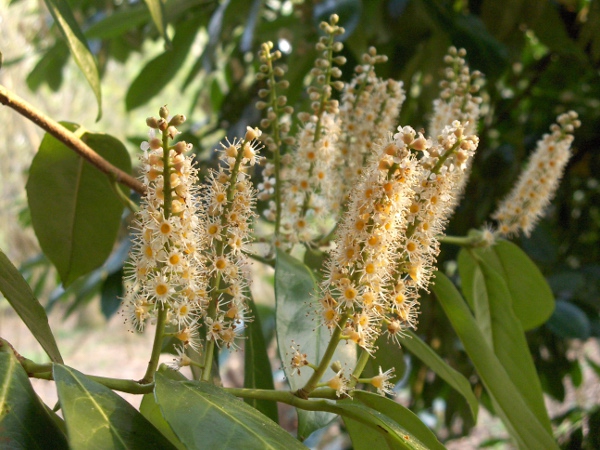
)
(44, 372)
(311, 384)
(166, 175)
(208, 359)
(363, 359)
(370, 420)
(277, 150)
(127, 202)
(161, 321)
(462, 241)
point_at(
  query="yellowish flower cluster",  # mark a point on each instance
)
(525, 204)
(229, 199)
(307, 177)
(356, 292)
(187, 261)
(369, 109)
(387, 243)
(166, 268)
(458, 99)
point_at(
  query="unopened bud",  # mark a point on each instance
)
(163, 112)
(336, 366)
(152, 122)
(180, 147)
(177, 120)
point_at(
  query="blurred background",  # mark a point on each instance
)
(540, 58)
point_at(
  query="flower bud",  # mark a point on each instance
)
(177, 120)
(252, 133)
(152, 122)
(163, 112)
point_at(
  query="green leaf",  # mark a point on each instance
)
(150, 410)
(295, 287)
(119, 22)
(531, 297)
(512, 408)
(96, 417)
(205, 416)
(157, 11)
(362, 421)
(49, 68)
(431, 359)
(510, 344)
(156, 74)
(74, 211)
(569, 321)
(63, 16)
(388, 355)
(401, 415)
(111, 294)
(257, 367)
(18, 293)
(24, 420)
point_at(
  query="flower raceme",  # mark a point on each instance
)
(525, 204)
(186, 259)
(388, 239)
(166, 270)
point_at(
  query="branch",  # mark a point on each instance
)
(69, 139)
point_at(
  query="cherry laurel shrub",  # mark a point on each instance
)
(366, 202)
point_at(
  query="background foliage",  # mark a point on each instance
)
(540, 58)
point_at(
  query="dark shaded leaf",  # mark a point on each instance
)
(24, 421)
(18, 293)
(155, 75)
(257, 367)
(431, 359)
(569, 321)
(63, 16)
(49, 68)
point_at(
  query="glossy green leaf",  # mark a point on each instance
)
(388, 354)
(63, 16)
(96, 417)
(74, 211)
(569, 321)
(18, 293)
(295, 287)
(157, 11)
(257, 367)
(24, 421)
(150, 410)
(119, 22)
(111, 294)
(510, 345)
(371, 429)
(401, 415)
(49, 68)
(532, 298)
(205, 416)
(431, 359)
(157, 73)
(512, 408)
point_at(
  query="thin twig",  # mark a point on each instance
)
(69, 139)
